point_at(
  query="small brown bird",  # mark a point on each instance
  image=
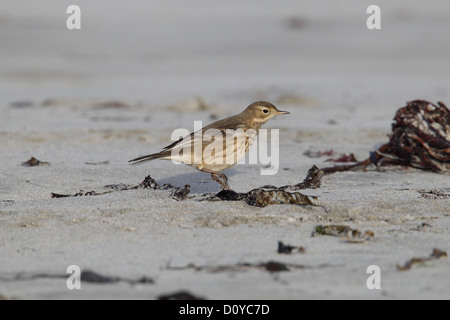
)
(219, 145)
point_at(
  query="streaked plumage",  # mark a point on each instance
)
(244, 126)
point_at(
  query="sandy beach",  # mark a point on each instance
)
(87, 101)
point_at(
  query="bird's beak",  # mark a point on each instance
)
(282, 112)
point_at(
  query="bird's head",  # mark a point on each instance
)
(262, 111)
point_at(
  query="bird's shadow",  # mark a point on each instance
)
(200, 182)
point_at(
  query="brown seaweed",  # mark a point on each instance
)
(229, 195)
(435, 194)
(33, 162)
(267, 195)
(181, 194)
(312, 180)
(436, 254)
(343, 158)
(345, 232)
(179, 295)
(420, 139)
(85, 276)
(288, 249)
(147, 183)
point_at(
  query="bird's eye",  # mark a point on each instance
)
(265, 110)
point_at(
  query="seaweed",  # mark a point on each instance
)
(436, 254)
(288, 249)
(85, 276)
(179, 295)
(147, 183)
(420, 139)
(343, 231)
(181, 194)
(317, 154)
(261, 197)
(33, 162)
(270, 266)
(229, 195)
(435, 194)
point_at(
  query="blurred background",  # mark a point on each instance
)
(163, 51)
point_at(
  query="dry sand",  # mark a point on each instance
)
(88, 101)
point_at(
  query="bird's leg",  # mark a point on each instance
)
(219, 177)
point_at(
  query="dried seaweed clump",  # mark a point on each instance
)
(420, 138)
(262, 198)
(312, 180)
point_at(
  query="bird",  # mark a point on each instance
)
(219, 145)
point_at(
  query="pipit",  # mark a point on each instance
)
(219, 145)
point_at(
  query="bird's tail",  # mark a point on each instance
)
(149, 157)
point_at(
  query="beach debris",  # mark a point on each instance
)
(293, 99)
(33, 162)
(110, 105)
(85, 276)
(421, 226)
(7, 202)
(355, 236)
(190, 105)
(260, 197)
(150, 183)
(20, 104)
(317, 154)
(181, 194)
(343, 231)
(435, 194)
(359, 166)
(436, 254)
(91, 276)
(271, 266)
(267, 195)
(296, 23)
(78, 194)
(119, 186)
(343, 158)
(229, 195)
(312, 180)
(147, 183)
(420, 139)
(330, 230)
(96, 163)
(288, 249)
(263, 197)
(180, 295)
